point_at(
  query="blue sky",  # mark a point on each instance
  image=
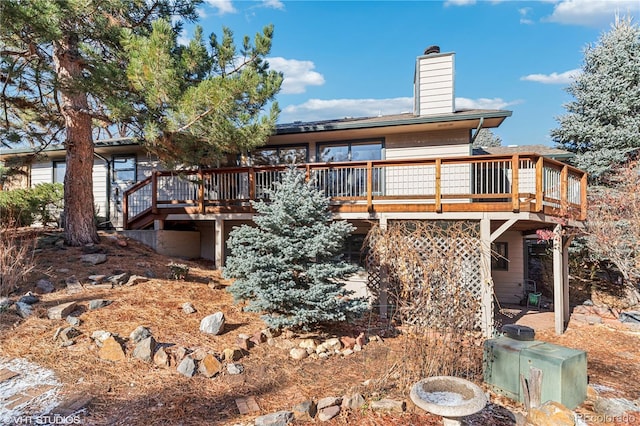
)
(357, 58)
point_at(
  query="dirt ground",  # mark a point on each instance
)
(132, 392)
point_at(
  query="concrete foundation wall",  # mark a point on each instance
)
(184, 244)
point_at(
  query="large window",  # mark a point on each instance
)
(350, 151)
(59, 170)
(124, 169)
(276, 155)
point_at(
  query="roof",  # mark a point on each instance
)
(386, 121)
(102, 143)
(544, 150)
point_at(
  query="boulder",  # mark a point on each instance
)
(24, 309)
(112, 350)
(213, 324)
(61, 311)
(308, 343)
(298, 353)
(161, 358)
(187, 367)
(551, 413)
(231, 355)
(235, 368)
(187, 308)
(119, 279)
(353, 401)
(29, 299)
(139, 334)
(144, 349)
(327, 413)
(98, 303)
(44, 286)
(281, 418)
(135, 279)
(305, 411)
(94, 258)
(328, 402)
(74, 321)
(209, 366)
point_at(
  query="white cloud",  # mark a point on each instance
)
(459, 2)
(524, 15)
(319, 109)
(592, 12)
(202, 14)
(273, 4)
(183, 38)
(223, 6)
(297, 74)
(553, 78)
(484, 103)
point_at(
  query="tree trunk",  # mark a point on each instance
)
(79, 222)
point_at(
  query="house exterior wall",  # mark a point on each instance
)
(434, 84)
(508, 284)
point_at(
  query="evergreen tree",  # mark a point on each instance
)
(289, 265)
(486, 137)
(602, 124)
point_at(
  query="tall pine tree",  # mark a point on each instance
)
(602, 124)
(289, 265)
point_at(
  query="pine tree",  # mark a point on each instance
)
(486, 138)
(602, 124)
(289, 265)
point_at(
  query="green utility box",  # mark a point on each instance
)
(564, 370)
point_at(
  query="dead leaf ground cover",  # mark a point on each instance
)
(132, 392)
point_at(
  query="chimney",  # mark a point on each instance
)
(433, 85)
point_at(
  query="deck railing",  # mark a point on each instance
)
(476, 183)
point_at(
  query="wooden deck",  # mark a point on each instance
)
(488, 183)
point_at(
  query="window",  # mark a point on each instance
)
(350, 151)
(124, 169)
(499, 257)
(353, 249)
(59, 170)
(273, 156)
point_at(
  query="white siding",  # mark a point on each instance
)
(41, 172)
(100, 196)
(435, 86)
(428, 145)
(508, 284)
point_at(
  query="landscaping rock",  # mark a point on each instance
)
(94, 258)
(187, 367)
(161, 358)
(23, 309)
(187, 308)
(347, 352)
(388, 405)
(61, 311)
(97, 279)
(209, 366)
(308, 344)
(551, 413)
(213, 324)
(361, 340)
(327, 413)
(243, 341)
(614, 407)
(98, 303)
(353, 401)
(180, 352)
(119, 279)
(100, 336)
(231, 355)
(235, 368)
(305, 411)
(74, 321)
(328, 402)
(139, 334)
(135, 279)
(111, 350)
(199, 353)
(298, 353)
(281, 418)
(144, 349)
(258, 338)
(44, 286)
(73, 285)
(29, 299)
(348, 342)
(66, 336)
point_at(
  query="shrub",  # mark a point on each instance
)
(23, 207)
(178, 271)
(16, 258)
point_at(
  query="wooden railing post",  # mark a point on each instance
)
(201, 191)
(369, 186)
(515, 183)
(438, 186)
(539, 183)
(583, 197)
(564, 187)
(125, 210)
(154, 192)
(252, 184)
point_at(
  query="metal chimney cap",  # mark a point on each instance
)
(432, 49)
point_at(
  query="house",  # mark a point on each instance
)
(412, 166)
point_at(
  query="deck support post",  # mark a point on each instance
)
(559, 284)
(218, 243)
(486, 297)
(383, 297)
